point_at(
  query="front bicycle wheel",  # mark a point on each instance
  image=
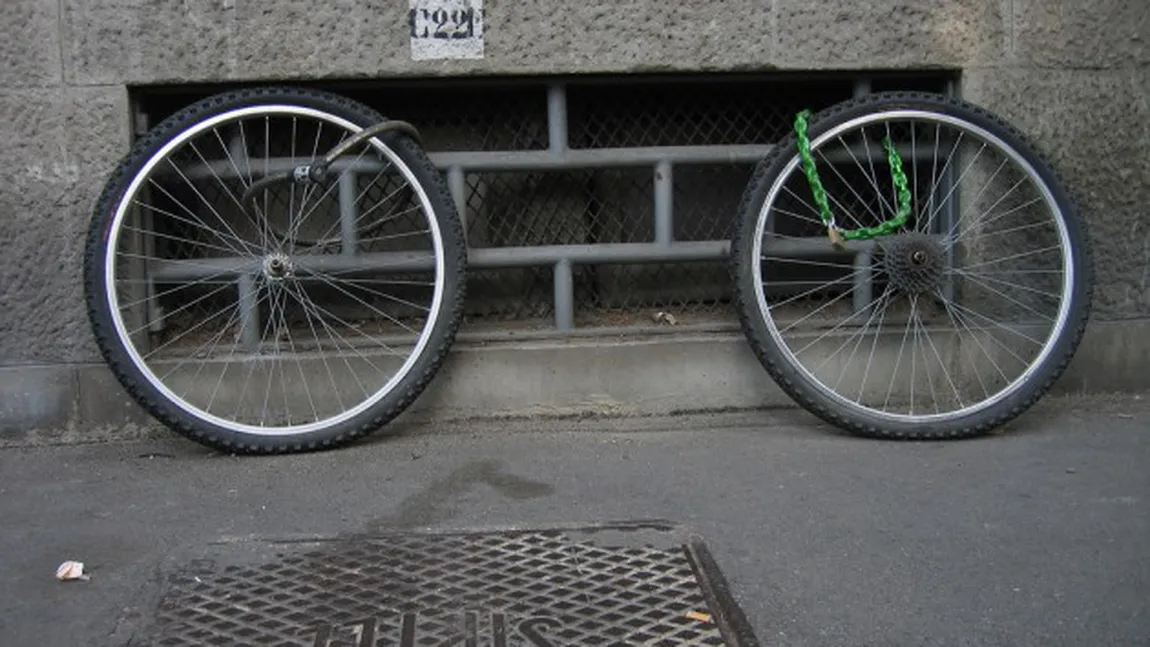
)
(260, 315)
(943, 321)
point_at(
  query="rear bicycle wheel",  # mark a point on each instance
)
(947, 325)
(257, 316)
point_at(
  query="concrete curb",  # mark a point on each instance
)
(632, 375)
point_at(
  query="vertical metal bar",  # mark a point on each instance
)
(347, 214)
(155, 314)
(235, 148)
(557, 118)
(458, 187)
(557, 144)
(144, 244)
(138, 317)
(564, 296)
(949, 213)
(864, 287)
(664, 204)
(249, 314)
(945, 223)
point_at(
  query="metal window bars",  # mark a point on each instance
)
(661, 161)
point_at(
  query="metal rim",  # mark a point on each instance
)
(962, 125)
(113, 301)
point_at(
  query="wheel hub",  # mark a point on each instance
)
(914, 262)
(277, 267)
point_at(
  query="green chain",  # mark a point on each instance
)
(836, 234)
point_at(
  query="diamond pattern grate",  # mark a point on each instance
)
(529, 588)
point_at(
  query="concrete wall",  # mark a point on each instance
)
(1075, 75)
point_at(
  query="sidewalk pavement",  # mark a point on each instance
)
(1039, 535)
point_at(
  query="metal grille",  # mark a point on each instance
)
(457, 118)
(534, 202)
(692, 113)
(633, 586)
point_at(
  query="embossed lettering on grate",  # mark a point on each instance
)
(529, 588)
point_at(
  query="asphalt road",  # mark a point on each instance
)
(1037, 536)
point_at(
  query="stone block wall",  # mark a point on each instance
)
(1074, 75)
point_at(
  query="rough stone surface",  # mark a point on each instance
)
(548, 36)
(29, 43)
(102, 403)
(889, 33)
(1100, 152)
(139, 41)
(300, 38)
(126, 41)
(1077, 34)
(59, 146)
(35, 398)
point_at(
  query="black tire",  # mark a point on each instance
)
(822, 400)
(143, 387)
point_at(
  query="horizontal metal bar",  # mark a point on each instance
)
(600, 157)
(571, 159)
(516, 160)
(506, 257)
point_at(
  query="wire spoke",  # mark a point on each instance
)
(986, 223)
(303, 218)
(850, 186)
(999, 325)
(224, 237)
(996, 340)
(227, 189)
(354, 270)
(871, 176)
(918, 335)
(836, 329)
(819, 309)
(974, 200)
(183, 286)
(954, 235)
(1014, 256)
(898, 363)
(942, 365)
(960, 321)
(878, 307)
(335, 336)
(817, 288)
(299, 364)
(309, 310)
(1010, 298)
(184, 307)
(957, 183)
(269, 324)
(326, 279)
(1018, 286)
(378, 204)
(213, 341)
(321, 310)
(873, 348)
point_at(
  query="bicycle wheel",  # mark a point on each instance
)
(243, 303)
(943, 321)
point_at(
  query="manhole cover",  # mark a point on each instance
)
(607, 585)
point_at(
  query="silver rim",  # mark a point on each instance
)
(947, 317)
(289, 316)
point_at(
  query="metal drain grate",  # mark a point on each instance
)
(609, 585)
